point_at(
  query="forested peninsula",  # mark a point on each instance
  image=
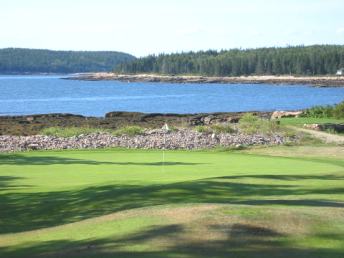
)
(298, 60)
(31, 61)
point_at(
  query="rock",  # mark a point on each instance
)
(280, 114)
(207, 120)
(30, 118)
(339, 128)
(33, 146)
(312, 127)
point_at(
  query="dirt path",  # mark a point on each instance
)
(326, 137)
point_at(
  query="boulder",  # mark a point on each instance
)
(280, 114)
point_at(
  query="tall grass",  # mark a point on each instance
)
(69, 131)
(251, 124)
(336, 111)
(218, 128)
(66, 132)
(129, 130)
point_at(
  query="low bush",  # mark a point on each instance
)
(222, 129)
(218, 128)
(203, 129)
(288, 132)
(318, 112)
(251, 124)
(336, 111)
(249, 118)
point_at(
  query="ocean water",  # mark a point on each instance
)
(23, 95)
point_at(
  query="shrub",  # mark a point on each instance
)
(319, 112)
(222, 129)
(203, 129)
(249, 118)
(215, 129)
(129, 130)
(288, 132)
(251, 124)
(338, 111)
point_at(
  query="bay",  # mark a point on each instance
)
(26, 95)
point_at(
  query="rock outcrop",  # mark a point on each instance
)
(33, 124)
(280, 114)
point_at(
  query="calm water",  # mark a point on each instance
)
(49, 94)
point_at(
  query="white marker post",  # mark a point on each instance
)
(165, 129)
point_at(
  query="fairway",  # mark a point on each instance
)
(127, 203)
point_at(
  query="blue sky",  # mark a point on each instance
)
(144, 27)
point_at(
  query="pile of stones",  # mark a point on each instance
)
(150, 139)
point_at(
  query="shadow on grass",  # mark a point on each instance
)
(287, 177)
(8, 182)
(18, 159)
(28, 211)
(238, 240)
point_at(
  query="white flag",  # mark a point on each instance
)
(165, 127)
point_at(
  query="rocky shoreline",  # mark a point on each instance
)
(320, 81)
(34, 124)
(151, 139)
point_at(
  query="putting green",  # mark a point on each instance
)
(127, 203)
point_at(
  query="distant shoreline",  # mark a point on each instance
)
(320, 81)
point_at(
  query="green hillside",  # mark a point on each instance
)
(20, 60)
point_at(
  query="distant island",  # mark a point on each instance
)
(33, 61)
(298, 60)
(321, 81)
(279, 64)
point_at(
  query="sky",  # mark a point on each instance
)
(143, 27)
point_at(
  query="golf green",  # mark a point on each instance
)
(129, 203)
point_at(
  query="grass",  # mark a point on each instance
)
(69, 131)
(251, 124)
(216, 128)
(124, 203)
(129, 130)
(76, 131)
(300, 121)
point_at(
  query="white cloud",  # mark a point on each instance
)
(340, 30)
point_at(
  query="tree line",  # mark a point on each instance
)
(298, 60)
(19, 60)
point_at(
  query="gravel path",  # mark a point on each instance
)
(326, 137)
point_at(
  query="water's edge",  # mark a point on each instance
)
(319, 81)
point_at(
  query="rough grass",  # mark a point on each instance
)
(336, 152)
(251, 124)
(129, 130)
(76, 131)
(69, 131)
(216, 128)
(124, 203)
(300, 121)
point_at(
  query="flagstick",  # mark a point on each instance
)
(166, 129)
